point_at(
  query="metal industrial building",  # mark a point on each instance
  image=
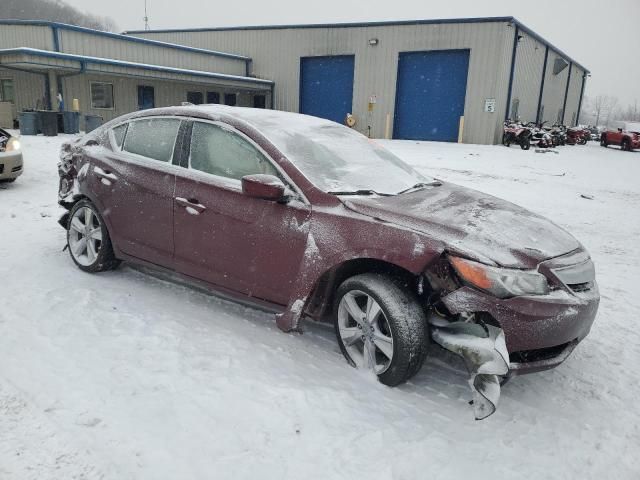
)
(112, 74)
(409, 79)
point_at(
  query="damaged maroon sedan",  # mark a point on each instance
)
(306, 217)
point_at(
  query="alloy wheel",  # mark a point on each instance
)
(85, 236)
(365, 331)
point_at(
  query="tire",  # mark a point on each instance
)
(625, 145)
(85, 221)
(603, 141)
(8, 180)
(506, 140)
(525, 144)
(400, 318)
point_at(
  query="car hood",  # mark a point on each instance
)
(473, 224)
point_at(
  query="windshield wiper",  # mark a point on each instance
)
(417, 186)
(360, 192)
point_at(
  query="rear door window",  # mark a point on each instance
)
(153, 138)
(118, 134)
(224, 153)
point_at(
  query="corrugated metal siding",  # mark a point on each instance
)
(573, 97)
(276, 55)
(125, 90)
(33, 36)
(29, 88)
(527, 77)
(554, 90)
(81, 43)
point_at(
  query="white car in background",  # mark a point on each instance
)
(11, 165)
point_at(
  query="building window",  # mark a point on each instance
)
(6, 90)
(259, 101)
(195, 97)
(230, 99)
(146, 97)
(102, 96)
(213, 97)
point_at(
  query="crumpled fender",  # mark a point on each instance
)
(329, 248)
(484, 352)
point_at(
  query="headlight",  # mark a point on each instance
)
(13, 145)
(501, 282)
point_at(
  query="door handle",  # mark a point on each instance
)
(104, 174)
(191, 205)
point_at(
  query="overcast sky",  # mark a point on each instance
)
(604, 36)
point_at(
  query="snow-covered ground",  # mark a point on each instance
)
(126, 376)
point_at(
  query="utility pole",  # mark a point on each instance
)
(146, 17)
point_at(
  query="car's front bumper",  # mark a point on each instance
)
(540, 331)
(11, 165)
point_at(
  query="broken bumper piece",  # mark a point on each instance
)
(484, 351)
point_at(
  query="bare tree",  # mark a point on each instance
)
(55, 11)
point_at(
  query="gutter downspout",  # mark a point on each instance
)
(56, 38)
(584, 81)
(514, 54)
(566, 92)
(273, 96)
(544, 74)
(61, 77)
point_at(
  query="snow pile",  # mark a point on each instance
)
(126, 376)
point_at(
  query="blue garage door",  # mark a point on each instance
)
(326, 86)
(430, 95)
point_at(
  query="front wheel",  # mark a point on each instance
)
(603, 141)
(506, 140)
(88, 239)
(525, 144)
(381, 327)
(626, 145)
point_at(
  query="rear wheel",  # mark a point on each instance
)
(603, 141)
(381, 327)
(525, 144)
(88, 239)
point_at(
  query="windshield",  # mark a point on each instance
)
(337, 159)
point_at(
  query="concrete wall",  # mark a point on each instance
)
(276, 55)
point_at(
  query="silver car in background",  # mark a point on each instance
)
(11, 165)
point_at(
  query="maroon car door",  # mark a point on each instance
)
(248, 245)
(134, 184)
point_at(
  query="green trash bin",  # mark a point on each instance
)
(71, 122)
(28, 123)
(48, 122)
(91, 122)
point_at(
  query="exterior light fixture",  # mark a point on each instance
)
(373, 42)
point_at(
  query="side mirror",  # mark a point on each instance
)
(266, 187)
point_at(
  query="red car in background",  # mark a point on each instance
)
(304, 216)
(627, 137)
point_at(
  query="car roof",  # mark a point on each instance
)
(259, 118)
